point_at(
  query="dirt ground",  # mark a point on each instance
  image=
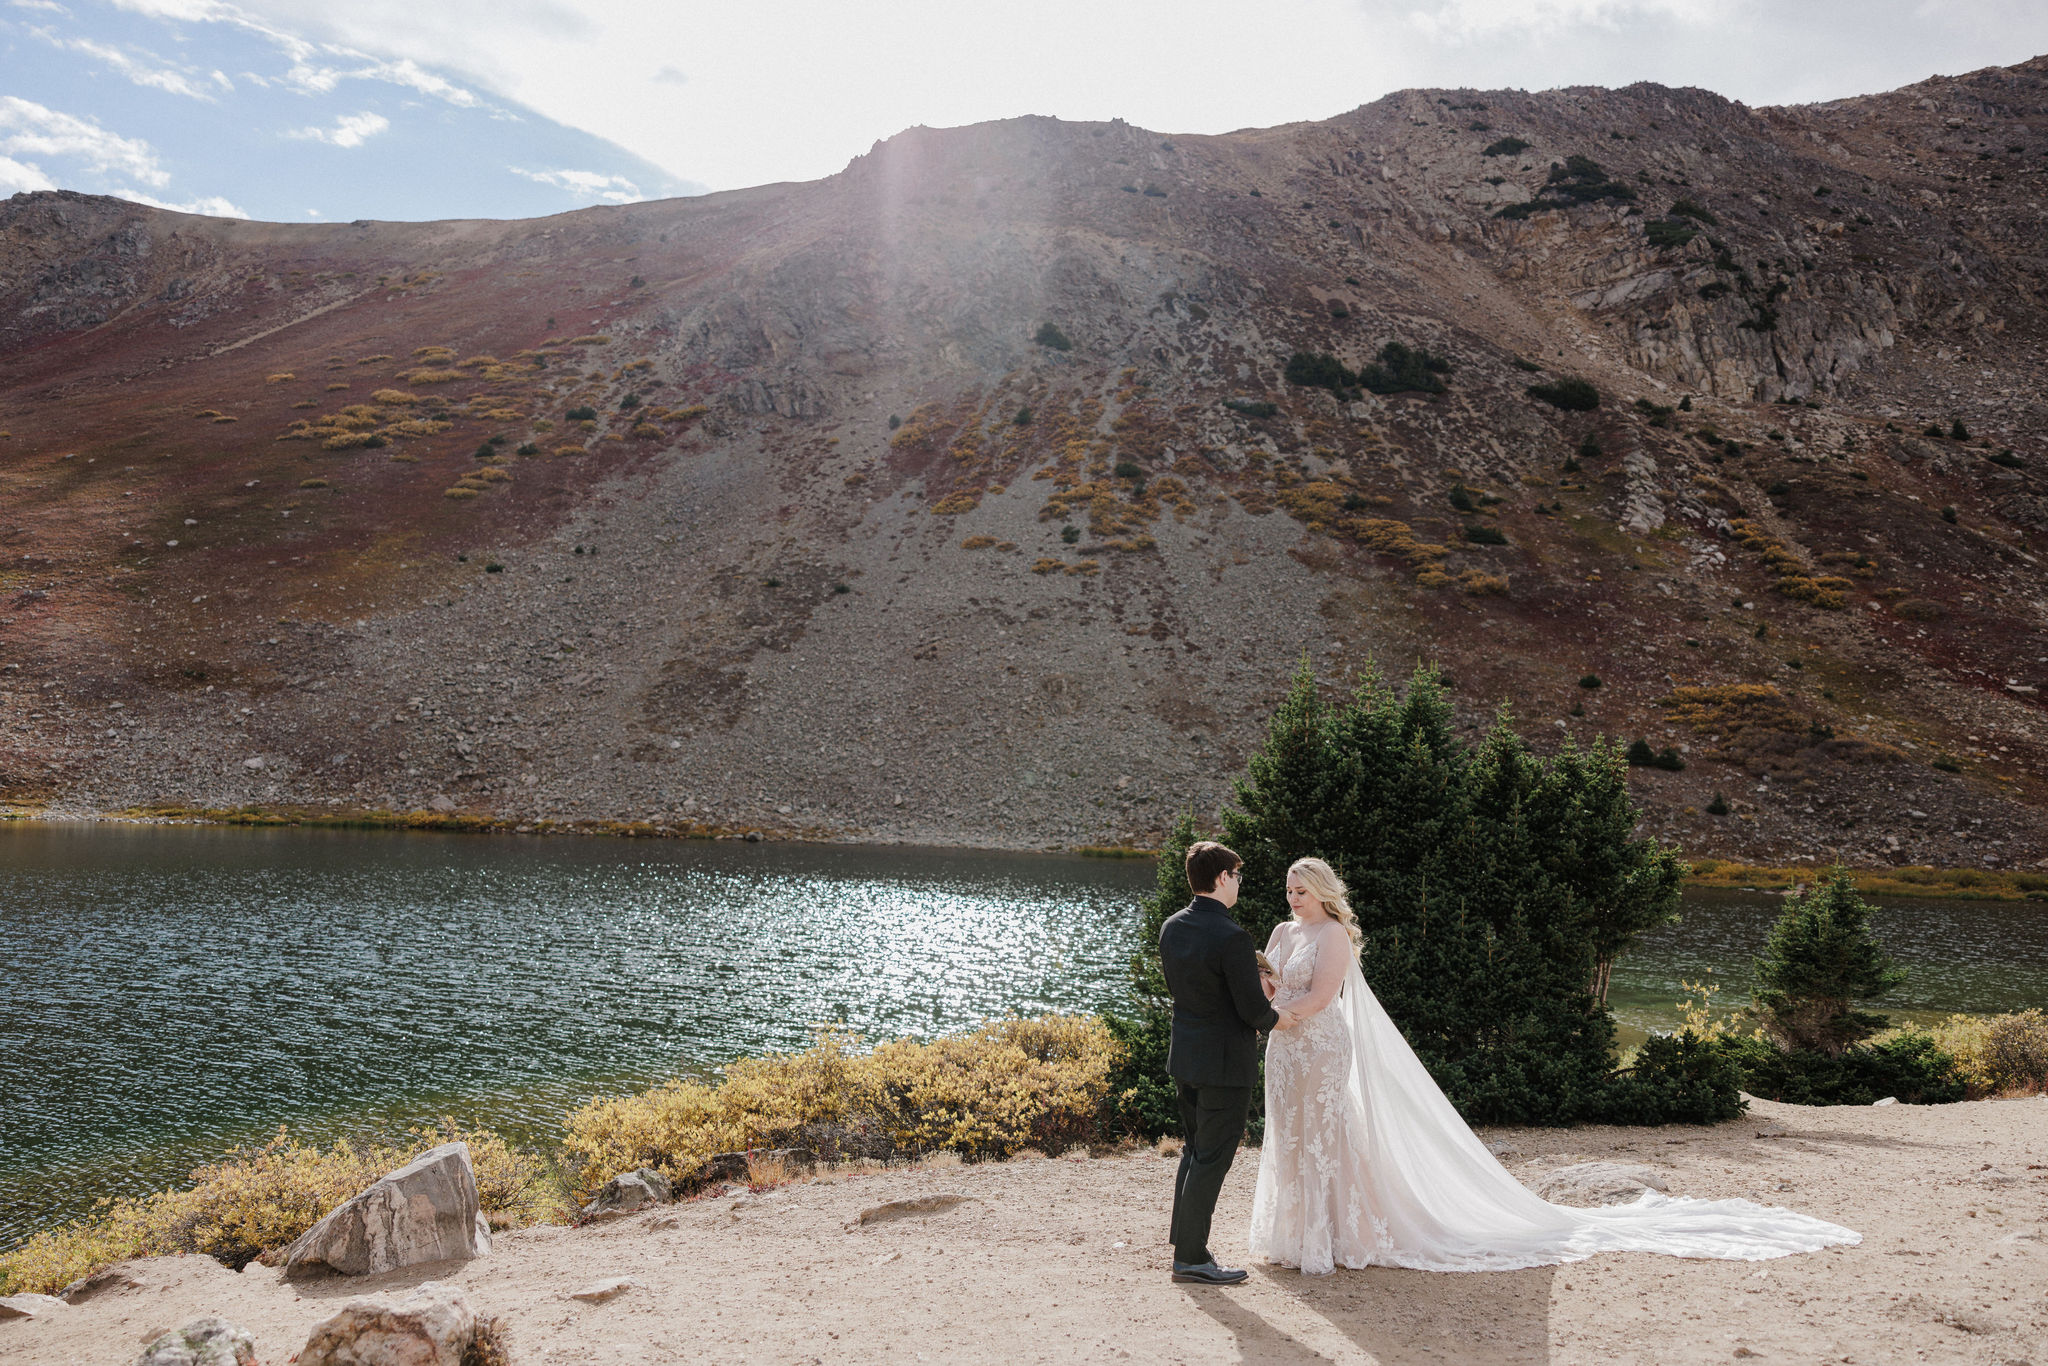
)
(1064, 1260)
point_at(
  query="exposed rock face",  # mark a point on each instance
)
(1597, 1183)
(628, 1192)
(426, 1211)
(432, 1326)
(202, 1342)
(841, 541)
(30, 1306)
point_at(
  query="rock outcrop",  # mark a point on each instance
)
(203, 1342)
(426, 1211)
(629, 1192)
(434, 1325)
(1597, 1183)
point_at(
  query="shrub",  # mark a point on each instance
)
(1023, 417)
(1997, 1054)
(1589, 681)
(1046, 564)
(1676, 1079)
(1485, 535)
(1070, 534)
(313, 484)
(1318, 370)
(1589, 448)
(2006, 458)
(1957, 431)
(1714, 289)
(591, 339)
(1819, 961)
(433, 354)
(583, 413)
(1128, 469)
(279, 379)
(1049, 335)
(1251, 407)
(1641, 755)
(1460, 498)
(1401, 369)
(1669, 232)
(258, 1199)
(1686, 208)
(1011, 1084)
(630, 401)
(1506, 147)
(1911, 1067)
(527, 448)
(1573, 395)
(1948, 514)
(431, 376)
(1481, 951)
(1529, 365)
(1718, 806)
(1575, 180)
(1154, 192)
(1934, 430)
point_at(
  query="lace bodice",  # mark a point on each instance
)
(1296, 971)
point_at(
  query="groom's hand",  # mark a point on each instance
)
(1287, 1021)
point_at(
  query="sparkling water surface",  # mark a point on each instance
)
(167, 993)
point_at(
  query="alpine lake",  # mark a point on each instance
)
(168, 993)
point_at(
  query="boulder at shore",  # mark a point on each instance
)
(628, 1192)
(433, 1326)
(426, 1211)
(202, 1342)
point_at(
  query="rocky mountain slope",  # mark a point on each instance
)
(966, 497)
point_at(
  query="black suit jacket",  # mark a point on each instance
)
(1218, 1007)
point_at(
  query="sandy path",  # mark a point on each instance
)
(1065, 1260)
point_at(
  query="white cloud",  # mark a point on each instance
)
(31, 129)
(605, 189)
(153, 77)
(16, 176)
(670, 75)
(350, 130)
(48, 6)
(212, 205)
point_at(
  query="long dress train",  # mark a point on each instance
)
(1366, 1163)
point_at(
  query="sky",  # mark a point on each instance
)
(305, 109)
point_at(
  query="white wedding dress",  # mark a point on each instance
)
(1366, 1163)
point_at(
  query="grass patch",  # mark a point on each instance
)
(1968, 884)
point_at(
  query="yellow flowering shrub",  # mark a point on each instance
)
(1011, 1084)
(258, 1200)
(1997, 1054)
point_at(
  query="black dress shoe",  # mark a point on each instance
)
(1208, 1273)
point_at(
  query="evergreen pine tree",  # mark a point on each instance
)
(1821, 959)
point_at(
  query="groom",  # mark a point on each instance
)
(1220, 1006)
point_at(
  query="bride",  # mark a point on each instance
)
(1366, 1163)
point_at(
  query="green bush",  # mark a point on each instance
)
(1528, 365)
(1575, 180)
(582, 414)
(1590, 447)
(1669, 232)
(1910, 1067)
(1318, 370)
(1251, 407)
(1718, 806)
(1493, 887)
(1485, 535)
(1022, 419)
(1686, 208)
(1820, 960)
(2006, 458)
(1640, 755)
(1070, 534)
(630, 401)
(1507, 147)
(1573, 395)
(1399, 369)
(1676, 1079)
(1049, 335)
(1402, 370)
(1957, 431)
(1461, 498)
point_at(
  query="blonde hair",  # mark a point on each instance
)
(1325, 886)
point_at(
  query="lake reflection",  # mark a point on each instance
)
(171, 992)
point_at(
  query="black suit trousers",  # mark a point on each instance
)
(1212, 1124)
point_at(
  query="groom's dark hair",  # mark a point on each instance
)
(1207, 861)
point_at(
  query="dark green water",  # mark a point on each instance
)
(169, 993)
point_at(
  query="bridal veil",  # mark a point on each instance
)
(1441, 1202)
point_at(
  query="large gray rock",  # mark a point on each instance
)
(628, 1192)
(202, 1342)
(426, 1211)
(432, 1326)
(30, 1306)
(1597, 1183)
